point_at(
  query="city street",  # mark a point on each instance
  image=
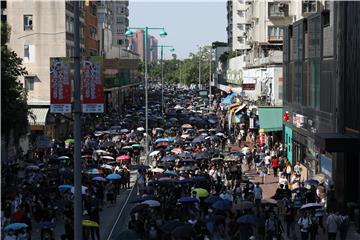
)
(180, 120)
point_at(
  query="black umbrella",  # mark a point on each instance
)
(170, 226)
(143, 198)
(139, 208)
(139, 166)
(168, 158)
(183, 232)
(107, 144)
(202, 155)
(199, 139)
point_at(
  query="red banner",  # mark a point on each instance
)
(92, 85)
(60, 85)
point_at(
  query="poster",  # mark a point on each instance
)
(60, 85)
(92, 85)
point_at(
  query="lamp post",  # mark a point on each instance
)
(129, 33)
(162, 72)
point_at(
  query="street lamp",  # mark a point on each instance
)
(162, 71)
(129, 33)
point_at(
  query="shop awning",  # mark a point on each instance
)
(336, 142)
(39, 115)
(270, 118)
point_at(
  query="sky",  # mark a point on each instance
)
(189, 24)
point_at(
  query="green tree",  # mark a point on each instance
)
(14, 110)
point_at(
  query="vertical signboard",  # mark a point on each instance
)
(92, 85)
(60, 86)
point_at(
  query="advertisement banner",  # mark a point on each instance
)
(92, 85)
(60, 85)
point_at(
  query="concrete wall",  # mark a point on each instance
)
(48, 38)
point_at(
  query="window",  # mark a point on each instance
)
(120, 20)
(29, 53)
(93, 32)
(70, 24)
(241, 26)
(92, 9)
(28, 22)
(309, 6)
(241, 40)
(29, 83)
(278, 9)
(241, 13)
(275, 33)
(120, 42)
(120, 30)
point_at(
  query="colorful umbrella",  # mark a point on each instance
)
(113, 176)
(201, 192)
(64, 187)
(88, 223)
(177, 150)
(187, 200)
(15, 226)
(70, 141)
(86, 156)
(93, 171)
(99, 179)
(122, 157)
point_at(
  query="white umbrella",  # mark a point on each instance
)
(100, 151)
(107, 166)
(220, 134)
(157, 170)
(154, 153)
(107, 157)
(63, 158)
(140, 129)
(245, 150)
(151, 203)
(83, 189)
(311, 206)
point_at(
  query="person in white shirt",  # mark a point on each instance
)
(267, 162)
(297, 168)
(332, 223)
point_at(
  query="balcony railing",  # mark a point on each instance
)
(274, 38)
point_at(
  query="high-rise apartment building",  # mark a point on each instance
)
(105, 26)
(41, 30)
(136, 44)
(120, 13)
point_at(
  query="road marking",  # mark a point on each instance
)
(122, 209)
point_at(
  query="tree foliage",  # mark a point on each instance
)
(184, 71)
(14, 110)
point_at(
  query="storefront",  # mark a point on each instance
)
(288, 143)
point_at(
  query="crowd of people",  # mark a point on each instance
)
(193, 188)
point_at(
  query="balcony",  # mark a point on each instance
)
(274, 57)
(275, 38)
(278, 10)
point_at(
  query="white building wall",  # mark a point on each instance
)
(48, 39)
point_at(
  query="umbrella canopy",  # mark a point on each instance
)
(107, 158)
(242, 205)
(140, 129)
(311, 182)
(137, 145)
(186, 126)
(247, 219)
(15, 226)
(70, 141)
(94, 171)
(107, 166)
(122, 157)
(201, 192)
(63, 158)
(151, 203)
(127, 148)
(65, 187)
(139, 208)
(199, 139)
(124, 130)
(202, 155)
(141, 199)
(187, 200)
(169, 226)
(99, 179)
(157, 170)
(154, 153)
(86, 156)
(311, 206)
(212, 199)
(88, 223)
(184, 232)
(187, 168)
(177, 150)
(168, 158)
(32, 167)
(221, 204)
(102, 152)
(113, 176)
(162, 140)
(139, 166)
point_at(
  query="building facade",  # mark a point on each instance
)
(120, 13)
(136, 44)
(321, 107)
(91, 37)
(105, 26)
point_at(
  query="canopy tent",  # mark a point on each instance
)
(270, 118)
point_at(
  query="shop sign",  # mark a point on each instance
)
(310, 125)
(248, 86)
(326, 166)
(92, 85)
(298, 120)
(60, 85)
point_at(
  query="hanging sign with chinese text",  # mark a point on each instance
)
(60, 85)
(92, 85)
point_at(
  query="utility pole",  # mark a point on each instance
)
(77, 127)
(162, 80)
(146, 35)
(210, 75)
(199, 68)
